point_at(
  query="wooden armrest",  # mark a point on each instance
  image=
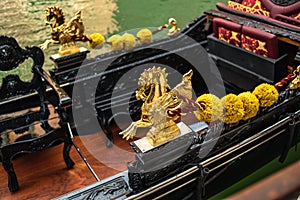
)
(63, 98)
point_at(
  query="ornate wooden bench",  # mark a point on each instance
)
(235, 58)
(276, 12)
(32, 113)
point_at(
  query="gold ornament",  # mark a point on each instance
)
(173, 29)
(65, 34)
(296, 81)
(160, 109)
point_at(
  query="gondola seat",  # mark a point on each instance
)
(227, 31)
(33, 113)
(259, 42)
(287, 16)
(287, 13)
(239, 49)
(248, 38)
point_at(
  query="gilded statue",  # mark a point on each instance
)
(161, 107)
(65, 34)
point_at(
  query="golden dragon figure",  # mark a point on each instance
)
(65, 34)
(161, 107)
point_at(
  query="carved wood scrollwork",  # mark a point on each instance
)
(24, 105)
(11, 56)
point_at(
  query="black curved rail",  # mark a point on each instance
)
(105, 71)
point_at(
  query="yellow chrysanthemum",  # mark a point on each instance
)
(97, 40)
(234, 110)
(129, 41)
(211, 108)
(115, 43)
(250, 104)
(266, 94)
(144, 36)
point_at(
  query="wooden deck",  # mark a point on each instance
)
(44, 175)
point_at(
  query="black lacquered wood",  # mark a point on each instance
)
(25, 105)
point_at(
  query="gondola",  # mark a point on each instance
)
(239, 150)
(182, 168)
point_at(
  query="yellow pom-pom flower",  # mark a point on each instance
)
(210, 108)
(250, 104)
(144, 36)
(115, 43)
(129, 41)
(266, 94)
(234, 110)
(97, 40)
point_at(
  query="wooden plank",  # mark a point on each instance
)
(43, 175)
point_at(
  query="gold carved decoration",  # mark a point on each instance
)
(65, 34)
(297, 16)
(296, 81)
(173, 30)
(161, 107)
(257, 8)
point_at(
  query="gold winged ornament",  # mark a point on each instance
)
(66, 34)
(161, 107)
(295, 84)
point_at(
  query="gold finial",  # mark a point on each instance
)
(296, 81)
(174, 29)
